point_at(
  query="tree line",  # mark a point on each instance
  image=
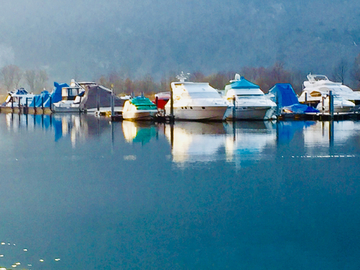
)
(12, 77)
(262, 76)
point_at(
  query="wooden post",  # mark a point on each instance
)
(172, 117)
(97, 100)
(112, 104)
(26, 106)
(234, 108)
(277, 105)
(331, 104)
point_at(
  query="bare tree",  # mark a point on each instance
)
(220, 79)
(36, 80)
(340, 70)
(197, 76)
(11, 76)
(355, 72)
(18, 74)
(30, 77)
(42, 78)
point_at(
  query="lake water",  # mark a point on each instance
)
(77, 192)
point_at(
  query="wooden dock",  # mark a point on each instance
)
(25, 110)
(322, 116)
(161, 118)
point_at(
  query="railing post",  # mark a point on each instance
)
(331, 104)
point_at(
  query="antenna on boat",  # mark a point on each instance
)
(182, 77)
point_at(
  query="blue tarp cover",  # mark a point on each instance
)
(284, 94)
(286, 98)
(39, 99)
(55, 94)
(21, 91)
(300, 108)
(243, 83)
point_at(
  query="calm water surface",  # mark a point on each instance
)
(77, 192)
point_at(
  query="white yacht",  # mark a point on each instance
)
(317, 89)
(248, 101)
(196, 101)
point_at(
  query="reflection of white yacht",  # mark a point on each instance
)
(320, 133)
(250, 102)
(247, 140)
(317, 88)
(204, 142)
(138, 131)
(196, 101)
(195, 141)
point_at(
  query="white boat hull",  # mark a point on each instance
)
(66, 109)
(139, 115)
(248, 113)
(214, 113)
(339, 106)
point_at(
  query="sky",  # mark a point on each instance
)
(87, 39)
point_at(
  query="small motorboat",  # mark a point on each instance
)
(139, 108)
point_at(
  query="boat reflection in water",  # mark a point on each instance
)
(195, 141)
(249, 140)
(202, 141)
(323, 133)
(239, 142)
(79, 127)
(138, 132)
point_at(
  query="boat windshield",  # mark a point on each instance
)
(196, 95)
(316, 78)
(248, 96)
(320, 78)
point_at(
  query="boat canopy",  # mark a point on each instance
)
(48, 98)
(143, 103)
(39, 100)
(99, 96)
(242, 84)
(284, 95)
(56, 93)
(21, 91)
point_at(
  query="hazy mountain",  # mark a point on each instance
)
(85, 39)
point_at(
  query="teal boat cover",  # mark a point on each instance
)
(243, 84)
(143, 103)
